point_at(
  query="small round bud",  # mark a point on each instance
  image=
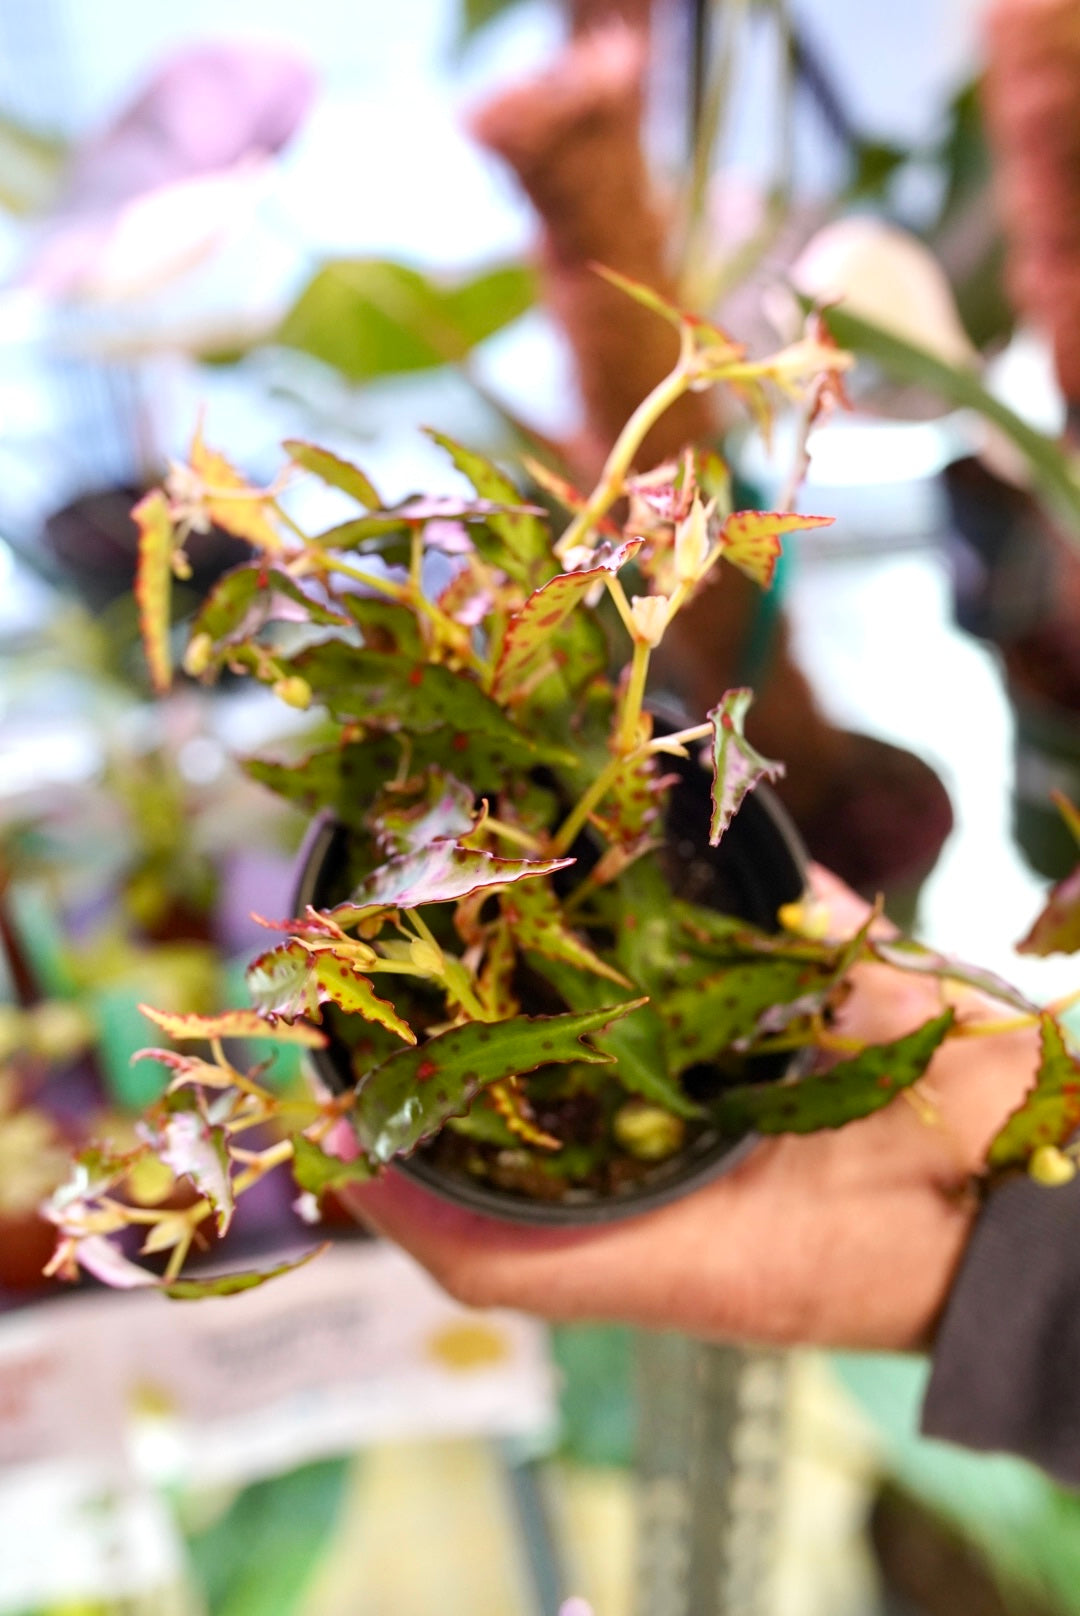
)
(647, 1131)
(808, 917)
(294, 691)
(199, 655)
(1049, 1165)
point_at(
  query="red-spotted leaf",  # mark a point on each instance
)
(234, 1024)
(1057, 929)
(907, 955)
(230, 501)
(419, 698)
(536, 920)
(316, 1172)
(852, 1089)
(750, 540)
(186, 1069)
(440, 873)
(495, 984)
(194, 1150)
(411, 1095)
(1050, 1114)
(714, 1011)
(344, 985)
(526, 645)
(737, 766)
(248, 597)
(334, 471)
(448, 809)
(293, 980)
(153, 584)
(191, 1290)
(523, 532)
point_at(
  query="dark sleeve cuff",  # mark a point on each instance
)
(1006, 1364)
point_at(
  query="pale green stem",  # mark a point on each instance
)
(626, 737)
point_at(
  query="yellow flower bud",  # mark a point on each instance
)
(425, 957)
(1049, 1165)
(647, 1131)
(199, 655)
(650, 617)
(294, 691)
(692, 544)
(808, 917)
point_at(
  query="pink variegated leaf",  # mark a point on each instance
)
(447, 810)
(526, 642)
(293, 980)
(107, 1263)
(186, 1069)
(737, 766)
(751, 540)
(153, 584)
(281, 982)
(439, 873)
(194, 1150)
(234, 1024)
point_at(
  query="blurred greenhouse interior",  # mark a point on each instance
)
(245, 223)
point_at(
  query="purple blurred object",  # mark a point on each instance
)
(204, 110)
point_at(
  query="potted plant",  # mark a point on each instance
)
(524, 964)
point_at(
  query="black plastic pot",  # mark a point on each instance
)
(759, 865)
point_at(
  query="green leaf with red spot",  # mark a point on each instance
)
(523, 533)
(340, 981)
(153, 584)
(315, 1172)
(374, 687)
(334, 471)
(386, 625)
(714, 1013)
(536, 920)
(192, 1290)
(244, 600)
(737, 766)
(1050, 1114)
(409, 1097)
(292, 980)
(440, 873)
(447, 809)
(234, 1024)
(527, 641)
(751, 540)
(1057, 929)
(852, 1089)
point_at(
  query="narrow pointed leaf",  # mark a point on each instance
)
(523, 534)
(536, 920)
(751, 539)
(1057, 928)
(409, 1097)
(713, 1013)
(334, 471)
(248, 597)
(1050, 1114)
(153, 584)
(440, 873)
(527, 640)
(191, 1290)
(855, 1088)
(737, 766)
(347, 987)
(907, 955)
(230, 500)
(234, 1024)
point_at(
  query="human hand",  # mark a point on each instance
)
(847, 1238)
